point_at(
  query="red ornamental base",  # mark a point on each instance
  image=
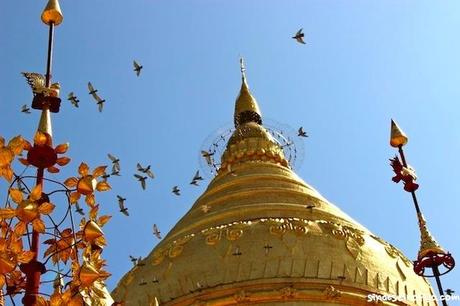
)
(434, 260)
(40, 101)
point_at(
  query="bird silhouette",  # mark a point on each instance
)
(176, 190)
(38, 84)
(299, 36)
(115, 171)
(450, 292)
(205, 208)
(121, 204)
(99, 101)
(145, 170)
(25, 109)
(73, 99)
(208, 156)
(193, 182)
(105, 176)
(197, 176)
(137, 68)
(301, 132)
(136, 261)
(141, 179)
(115, 162)
(78, 209)
(156, 231)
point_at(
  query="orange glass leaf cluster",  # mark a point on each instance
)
(7, 154)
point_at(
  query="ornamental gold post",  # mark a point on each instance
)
(431, 254)
(51, 16)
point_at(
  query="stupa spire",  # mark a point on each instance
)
(246, 107)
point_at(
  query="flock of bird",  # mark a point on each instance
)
(37, 82)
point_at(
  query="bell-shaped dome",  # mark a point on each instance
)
(260, 235)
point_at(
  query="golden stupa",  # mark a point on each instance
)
(260, 235)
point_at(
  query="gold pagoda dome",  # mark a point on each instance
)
(260, 235)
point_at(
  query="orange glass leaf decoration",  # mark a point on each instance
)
(36, 193)
(90, 200)
(62, 148)
(38, 225)
(7, 173)
(27, 145)
(93, 212)
(83, 169)
(71, 182)
(74, 197)
(46, 208)
(16, 195)
(7, 213)
(26, 256)
(2, 141)
(16, 145)
(40, 138)
(103, 186)
(6, 156)
(62, 161)
(52, 169)
(20, 228)
(99, 171)
(103, 220)
(24, 161)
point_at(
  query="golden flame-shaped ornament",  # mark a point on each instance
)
(52, 13)
(88, 275)
(92, 231)
(7, 263)
(397, 137)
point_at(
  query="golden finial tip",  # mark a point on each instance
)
(52, 13)
(398, 137)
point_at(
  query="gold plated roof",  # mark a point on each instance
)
(266, 237)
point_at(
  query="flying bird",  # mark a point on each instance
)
(121, 204)
(205, 208)
(73, 99)
(115, 162)
(136, 261)
(176, 190)
(137, 68)
(301, 132)
(208, 156)
(145, 170)
(99, 100)
(197, 176)
(25, 109)
(78, 209)
(38, 84)
(450, 292)
(193, 182)
(156, 231)
(299, 36)
(141, 179)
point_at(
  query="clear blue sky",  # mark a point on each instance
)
(364, 63)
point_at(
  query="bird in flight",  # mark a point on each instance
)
(137, 68)
(115, 162)
(38, 84)
(299, 36)
(176, 190)
(121, 204)
(208, 156)
(193, 182)
(99, 100)
(73, 99)
(197, 176)
(136, 261)
(141, 179)
(78, 209)
(145, 170)
(205, 208)
(156, 231)
(25, 109)
(450, 292)
(301, 132)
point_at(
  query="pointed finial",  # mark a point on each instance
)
(427, 243)
(52, 13)
(44, 125)
(243, 69)
(397, 136)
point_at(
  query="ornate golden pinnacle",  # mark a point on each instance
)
(52, 13)
(428, 245)
(397, 137)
